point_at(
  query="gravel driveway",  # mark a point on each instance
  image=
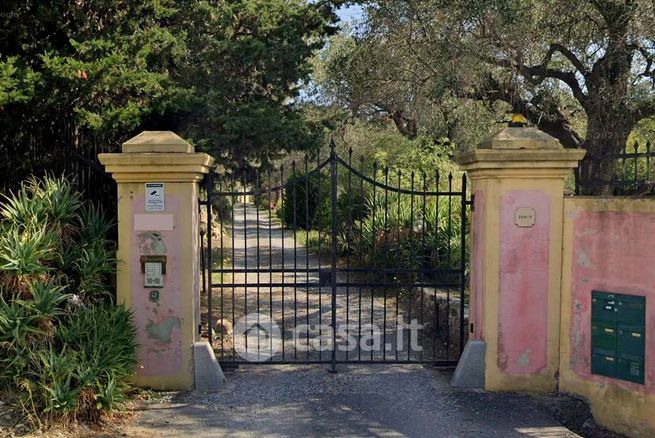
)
(360, 401)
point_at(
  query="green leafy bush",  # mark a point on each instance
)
(64, 347)
(411, 237)
(48, 234)
(311, 209)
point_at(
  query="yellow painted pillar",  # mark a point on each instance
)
(157, 175)
(517, 181)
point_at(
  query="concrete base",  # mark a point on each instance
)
(471, 366)
(208, 373)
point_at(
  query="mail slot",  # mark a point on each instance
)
(603, 335)
(603, 362)
(631, 309)
(603, 306)
(630, 340)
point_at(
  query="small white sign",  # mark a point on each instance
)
(155, 197)
(524, 217)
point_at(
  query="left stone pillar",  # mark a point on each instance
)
(158, 175)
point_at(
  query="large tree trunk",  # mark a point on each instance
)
(606, 137)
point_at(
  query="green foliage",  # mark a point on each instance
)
(412, 234)
(307, 201)
(48, 234)
(103, 339)
(383, 227)
(453, 68)
(348, 73)
(63, 346)
(225, 75)
(25, 256)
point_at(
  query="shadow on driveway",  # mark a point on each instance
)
(359, 401)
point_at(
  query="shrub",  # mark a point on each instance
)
(63, 346)
(312, 201)
(410, 238)
(66, 365)
(49, 234)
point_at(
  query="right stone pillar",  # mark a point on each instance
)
(517, 183)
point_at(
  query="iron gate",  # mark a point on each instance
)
(334, 264)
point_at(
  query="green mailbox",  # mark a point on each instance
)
(618, 335)
(630, 368)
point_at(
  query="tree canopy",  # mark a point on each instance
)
(225, 74)
(581, 70)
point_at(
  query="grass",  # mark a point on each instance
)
(314, 240)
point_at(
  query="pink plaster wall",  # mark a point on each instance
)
(158, 325)
(614, 252)
(523, 284)
(477, 268)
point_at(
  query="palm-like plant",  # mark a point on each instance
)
(66, 361)
(25, 257)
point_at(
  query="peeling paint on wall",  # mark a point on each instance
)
(151, 243)
(159, 326)
(524, 359)
(162, 331)
(583, 259)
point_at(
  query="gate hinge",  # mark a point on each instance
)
(471, 202)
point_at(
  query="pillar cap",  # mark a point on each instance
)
(520, 150)
(520, 138)
(157, 142)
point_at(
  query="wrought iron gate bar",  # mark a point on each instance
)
(314, 270)
(376, 258)
(318, 284)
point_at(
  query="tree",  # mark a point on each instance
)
(246, 62)
(581, 70)
(224, 74)
(376, 80)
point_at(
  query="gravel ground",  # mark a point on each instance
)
(360, 401)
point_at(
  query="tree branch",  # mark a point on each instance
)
(644, 110)
(554, 124)
(542, 72)
(536, 74)
(574, 60)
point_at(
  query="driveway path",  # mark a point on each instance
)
(361, 401)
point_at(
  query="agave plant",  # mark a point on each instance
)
(92, 269)
(60, 201)
(25, 257)
(56, 382)
(47, 302)
(22, 209)
(94, 227)
(65, 361)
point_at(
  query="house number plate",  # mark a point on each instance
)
(524, 217)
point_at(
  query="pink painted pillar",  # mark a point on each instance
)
(517, 180)
(157, 175)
